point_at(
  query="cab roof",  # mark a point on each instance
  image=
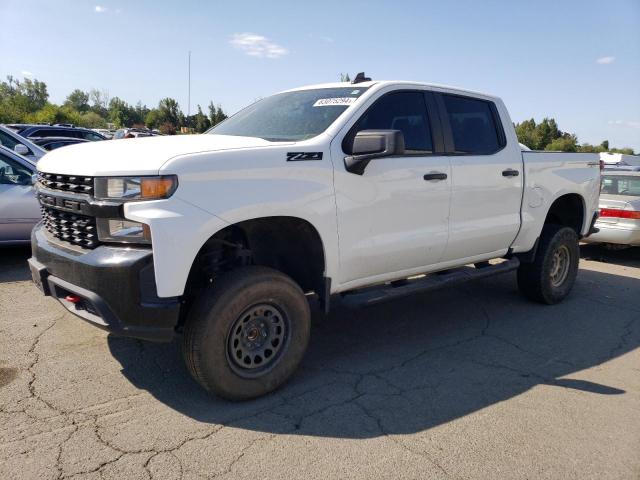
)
(384, 83)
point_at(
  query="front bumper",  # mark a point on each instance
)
(115, 286)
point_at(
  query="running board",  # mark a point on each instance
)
(432, 281)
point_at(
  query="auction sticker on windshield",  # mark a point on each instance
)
(327, 102)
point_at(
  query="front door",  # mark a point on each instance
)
(392, 218)
(19, 209)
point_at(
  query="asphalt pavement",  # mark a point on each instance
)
(468, 382)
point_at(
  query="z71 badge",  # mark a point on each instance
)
(298, 156)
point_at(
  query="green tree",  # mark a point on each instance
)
(153, 119)
(567, 143)
(92, 120)
(170, 112)
(99, 102)
(212, 113)
(220, 115)
(78, 100)
(122, 114)
(202, 122)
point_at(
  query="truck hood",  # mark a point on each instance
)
(136, 156)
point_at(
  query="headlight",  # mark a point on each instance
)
(135, 188)
(122, 231)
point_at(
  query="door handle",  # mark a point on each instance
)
(510, 172)
(435, 176)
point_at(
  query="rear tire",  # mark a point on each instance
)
(246, 334)
(550, 277)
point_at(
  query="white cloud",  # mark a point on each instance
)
(257, 45)
(605, 60)
(26, 73)
(100, 9)
(625, 123)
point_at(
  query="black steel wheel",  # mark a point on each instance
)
(257, 339)
(246, 334)
(551, 275)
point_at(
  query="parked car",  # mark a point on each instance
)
(619, 221)
(613, 159)
(19, 208)
(51, 143)
(133, 133)
(108, 134)
(20, 145)
(370, 191)
(41, 131)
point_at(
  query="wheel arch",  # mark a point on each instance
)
(289, 244)
(569, 210)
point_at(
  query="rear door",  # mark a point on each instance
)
(487, 178)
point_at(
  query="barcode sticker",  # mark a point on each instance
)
(327, 102)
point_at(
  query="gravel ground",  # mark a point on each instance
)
(470, 382)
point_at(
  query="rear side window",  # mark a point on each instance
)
(473, 125)
(404, 111)
(91, 136)
(621, 185)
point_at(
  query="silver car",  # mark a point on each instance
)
(619, 220)
(19, 208)
(20, 145)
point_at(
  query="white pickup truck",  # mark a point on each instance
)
(357, 190)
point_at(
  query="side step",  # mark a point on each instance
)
(432, 281)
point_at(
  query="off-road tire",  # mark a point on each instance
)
(206, 344)
(541, 280)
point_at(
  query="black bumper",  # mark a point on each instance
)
(111, 287)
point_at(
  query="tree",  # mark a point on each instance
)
(566, 143)
(170, 111)
(92, 120)
(35, 91)
(344, 77)
(220, 115)
(78, 100)
(152, 119)
(99, 101)
(121, 113)
(201, 123)
(212, 113)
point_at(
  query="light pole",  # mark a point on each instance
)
(189, 94)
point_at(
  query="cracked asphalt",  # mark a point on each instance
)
(470, 382)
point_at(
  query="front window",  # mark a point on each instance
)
(13, 173)
(290, 116)
(621, 185)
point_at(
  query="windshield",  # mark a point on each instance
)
(621, 185)
(290, 116)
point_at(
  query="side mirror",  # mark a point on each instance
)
(370, 144)
(20, 149)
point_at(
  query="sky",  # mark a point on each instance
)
(575, 61)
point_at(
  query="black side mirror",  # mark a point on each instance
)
(370, 144)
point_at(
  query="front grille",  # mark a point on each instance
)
(66, 183)
(71, 227)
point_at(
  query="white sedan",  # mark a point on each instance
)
(619, 220)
